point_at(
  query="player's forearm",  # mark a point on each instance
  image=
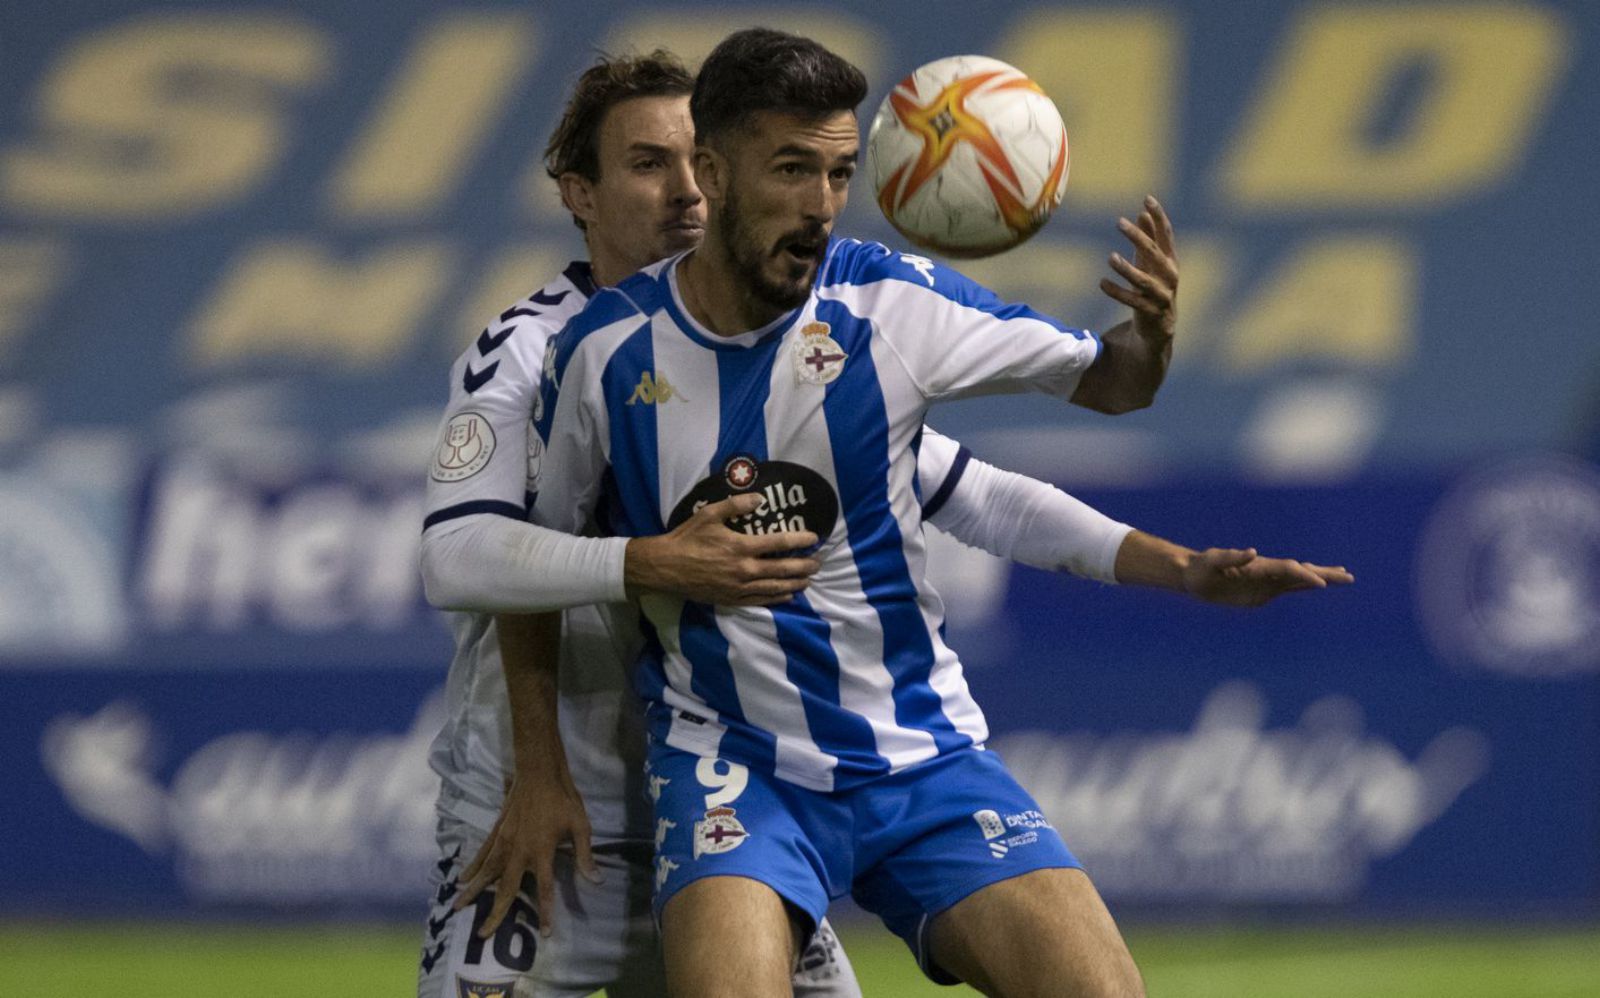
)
(494, 564)
(1028, 521)
(1132, 365)
(530, 650)
(1147, 560)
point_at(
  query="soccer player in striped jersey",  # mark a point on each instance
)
(622, 155)
(827, 744)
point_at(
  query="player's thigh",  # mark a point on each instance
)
(729, 937)
(1045, 933)
(739, 859)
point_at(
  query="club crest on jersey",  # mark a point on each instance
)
(818, 358)
(478, 989)
(718, 832)
(465, 448)
(654, 389)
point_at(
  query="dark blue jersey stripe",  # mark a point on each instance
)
(858, 426)
(952, 478)
(496, 506)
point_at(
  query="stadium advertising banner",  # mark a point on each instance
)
(240, 245)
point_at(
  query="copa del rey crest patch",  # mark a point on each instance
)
(719, 831)
(818, 359)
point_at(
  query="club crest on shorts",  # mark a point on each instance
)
(478, 989)
(818, 358)
(466, 447)
(719, 831)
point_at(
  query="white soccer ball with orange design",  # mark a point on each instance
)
(968, 156)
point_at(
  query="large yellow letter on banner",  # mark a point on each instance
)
(1485, 70)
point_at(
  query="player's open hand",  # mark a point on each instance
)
(1234, 577)
(705, 560)
(1152, 288)
(538, 816)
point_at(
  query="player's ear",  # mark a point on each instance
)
(711, 172)
(577, 193)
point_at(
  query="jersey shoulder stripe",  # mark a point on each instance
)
(857, 263)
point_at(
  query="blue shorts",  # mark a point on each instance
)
(906, 846)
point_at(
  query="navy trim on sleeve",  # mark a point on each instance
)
(498, 507)
(942, 494)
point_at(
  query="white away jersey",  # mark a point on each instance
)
(646, 416)
(482, 465)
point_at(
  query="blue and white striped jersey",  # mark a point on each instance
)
(646, 415)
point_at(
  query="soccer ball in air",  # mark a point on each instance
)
(968, 156)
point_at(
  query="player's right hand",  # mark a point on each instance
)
(537, 817)
(705, 560)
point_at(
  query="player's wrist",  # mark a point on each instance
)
(641, 564)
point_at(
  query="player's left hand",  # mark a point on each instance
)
(538, 816)
(1152, 289)
(1235, 577)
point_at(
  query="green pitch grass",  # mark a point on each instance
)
(57, 960)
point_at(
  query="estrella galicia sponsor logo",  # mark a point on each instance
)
(793, 497)
(466, 447)
(1508, 570)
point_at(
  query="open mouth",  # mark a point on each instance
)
(802, 251)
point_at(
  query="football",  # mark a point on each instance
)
(968, 156)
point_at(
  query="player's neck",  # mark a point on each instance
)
(608, 269)
(717, 297)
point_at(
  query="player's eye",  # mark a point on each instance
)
(651, 163)
(842, 174)
(791, 169)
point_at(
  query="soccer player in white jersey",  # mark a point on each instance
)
(828, 745)
(622, 155)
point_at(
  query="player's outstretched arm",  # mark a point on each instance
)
(1135, 354)
(706, 560)
(1226, 576)
(542, 809)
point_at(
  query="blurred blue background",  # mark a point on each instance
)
(240, 245)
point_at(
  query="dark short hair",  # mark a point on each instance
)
(760, 69)
(574, 146)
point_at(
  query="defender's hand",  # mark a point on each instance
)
(1152, 277)
(704, 560)
(1242, 578)
(536, 818)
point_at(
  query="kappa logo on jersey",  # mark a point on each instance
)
(920, 264)
(654, 389)
(663, 826)
(718, 832)
(478, 989)
(467, 446)
(793, 497)
(818, 358)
